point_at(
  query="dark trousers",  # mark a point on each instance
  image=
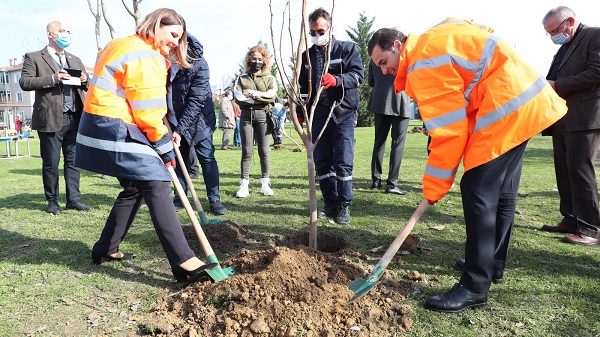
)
(157, 196)
(51, 143)
(205, 152)
(574, 158)
(383, 124)
(334, 157)
(489, 196)
(193, 166)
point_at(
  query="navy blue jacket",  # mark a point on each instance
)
(347, 67)
(192, 97)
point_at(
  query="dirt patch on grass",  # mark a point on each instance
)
(225, 238)
(286, 291)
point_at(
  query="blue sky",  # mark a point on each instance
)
(228, 27)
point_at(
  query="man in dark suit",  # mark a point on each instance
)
(575, 76)
(390, 110)
(56, 112)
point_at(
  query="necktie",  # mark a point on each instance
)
(60, 59)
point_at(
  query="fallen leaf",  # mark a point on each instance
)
(438, 228)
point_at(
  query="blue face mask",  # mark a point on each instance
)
(63, 40)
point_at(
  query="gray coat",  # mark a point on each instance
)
(383, 99)
(38, 68)
(578, 81)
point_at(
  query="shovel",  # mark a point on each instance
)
(361, 286)
(217, 273)
(188, 180)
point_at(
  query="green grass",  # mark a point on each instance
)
(48, 286)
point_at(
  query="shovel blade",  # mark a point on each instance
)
(219, 273)
(204, 220)
(361, 287)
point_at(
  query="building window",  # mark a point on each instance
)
(4, 78)
(19, 97)
(5, 97)
(17, 77)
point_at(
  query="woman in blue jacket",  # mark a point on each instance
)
(192, 113)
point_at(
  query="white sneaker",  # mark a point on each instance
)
(243, 191)
(266, 186)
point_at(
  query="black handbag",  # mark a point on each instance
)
(273, 120)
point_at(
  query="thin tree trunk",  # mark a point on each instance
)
(107, 20)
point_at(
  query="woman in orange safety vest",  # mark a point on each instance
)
(122, 134)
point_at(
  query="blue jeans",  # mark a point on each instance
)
(237, 140)
(205, 151)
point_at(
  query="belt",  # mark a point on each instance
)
(254, 108)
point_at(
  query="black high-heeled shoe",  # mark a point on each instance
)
(181, 275)
(97, 258)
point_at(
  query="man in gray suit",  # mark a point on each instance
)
(575, 75)
(390, 110)
(56, 112)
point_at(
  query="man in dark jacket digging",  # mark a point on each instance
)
(192, 115)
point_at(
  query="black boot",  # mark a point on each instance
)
(343, 214)
(328, 212)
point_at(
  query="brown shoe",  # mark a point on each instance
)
(560, 228)
(581, 239)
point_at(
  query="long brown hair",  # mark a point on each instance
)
(166, 17)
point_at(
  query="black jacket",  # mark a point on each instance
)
(192, 97)
(347, 67)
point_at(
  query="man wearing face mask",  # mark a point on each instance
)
(334, 154)
(575, 76)
(56, 112)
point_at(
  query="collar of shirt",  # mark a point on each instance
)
(53, 52)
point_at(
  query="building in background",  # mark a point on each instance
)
(13, 100)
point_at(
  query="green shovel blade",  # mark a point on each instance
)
(361, 287)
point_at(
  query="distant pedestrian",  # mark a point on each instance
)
(391, 111)
(226, 118)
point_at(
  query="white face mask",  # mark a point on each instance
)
(320, 40)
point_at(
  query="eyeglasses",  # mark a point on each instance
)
(555, 31)
(319, 32)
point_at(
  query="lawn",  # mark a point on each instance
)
(48, 286)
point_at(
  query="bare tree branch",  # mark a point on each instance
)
(97, 16)
(107, 20)
(135, 13)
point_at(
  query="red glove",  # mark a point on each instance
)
(328, 81)
(432, 202)
(171, 163)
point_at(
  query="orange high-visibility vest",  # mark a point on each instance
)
(129, 83)
(477, 98)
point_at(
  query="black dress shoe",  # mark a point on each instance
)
(456, 299)
(181, 275)
(395, 190)
(79, 206)
(560, 228)
(376, 184)
(97, 259)
(498, 277)
(53, 208)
